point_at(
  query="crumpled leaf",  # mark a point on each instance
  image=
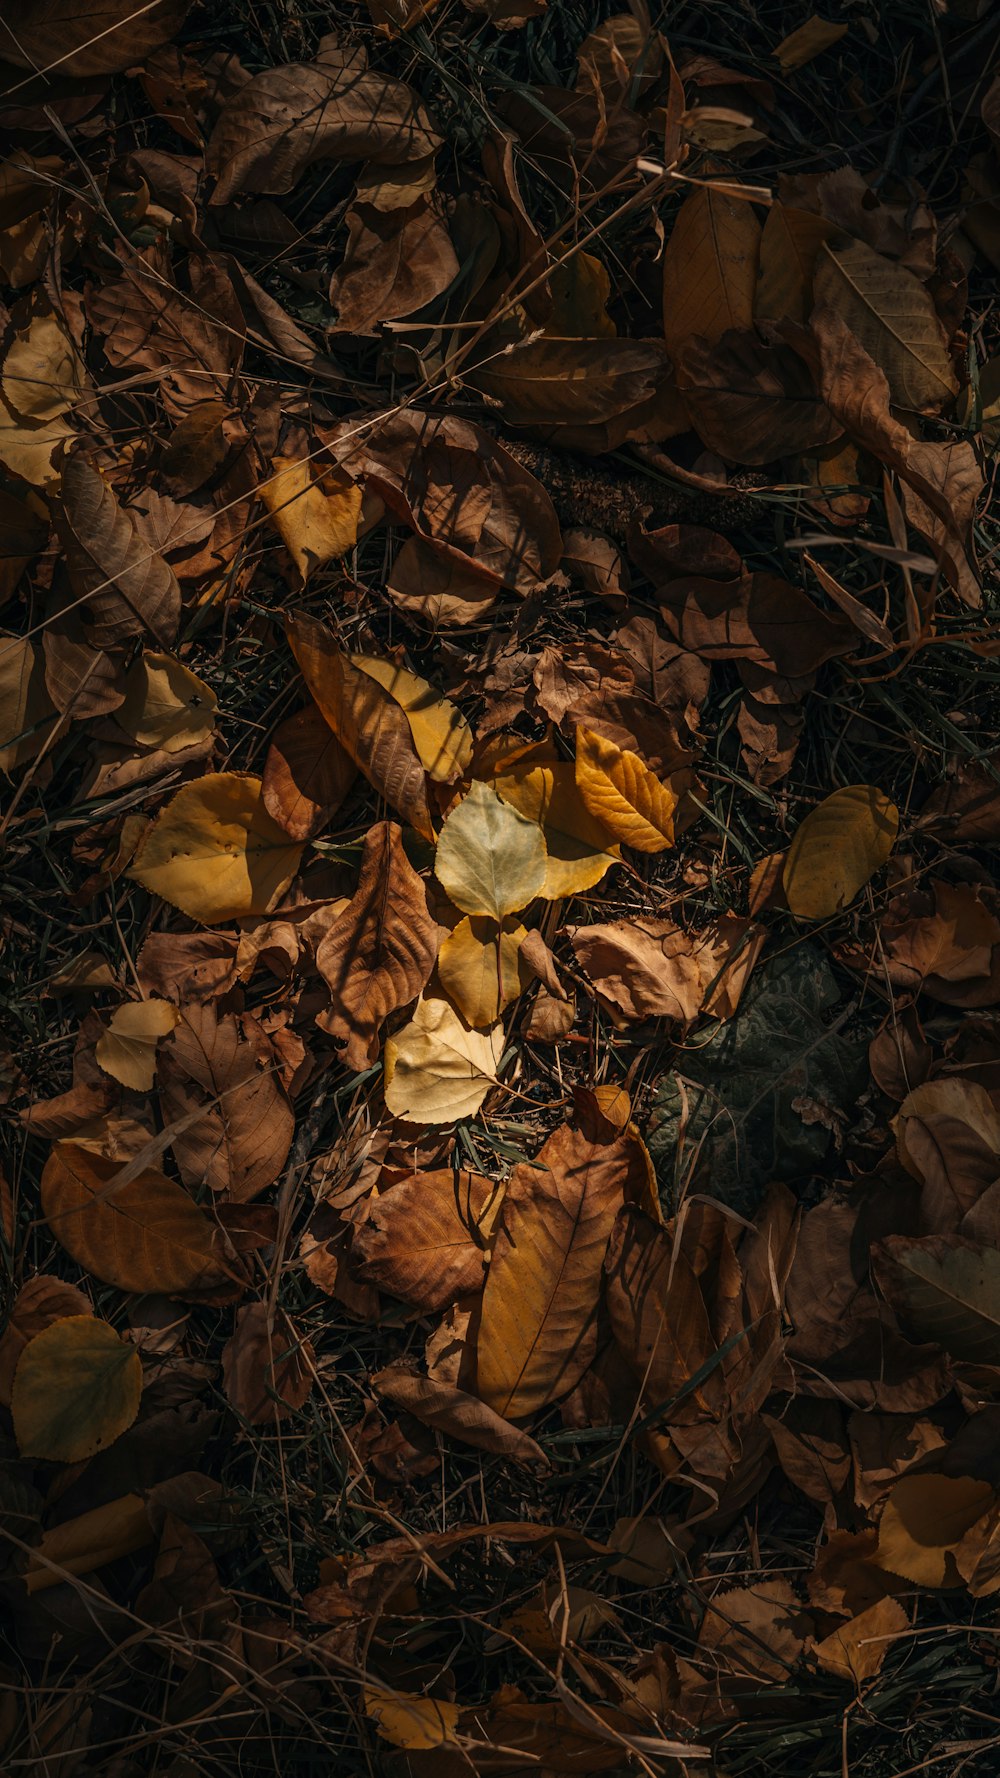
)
(126, 588)
(436, 1070)
(214, 852)
(490, 859)
(220, 1092)
(837, 849)
(621, 792)
(421, 1240)
(76, 1389)
(166, 705)
(479, 967)
(127, 1049)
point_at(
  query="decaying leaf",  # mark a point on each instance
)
(76, 1389)
(422, 1239)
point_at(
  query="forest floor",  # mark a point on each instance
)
(500, 938)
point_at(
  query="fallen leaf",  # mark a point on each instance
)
(948, 1138)
(946, 1289)
(709, 268)
(220, 1090)
(856, 1650)
(307, 774)
(26, 722)
(191, 340)
(621, 792)
(436, 1070)
(395, 263)
(807, 42)
(39, 1303)
(538, 1328)
(489, 858)
(379, 954)
(421, 1240)
(752, 401)
(127, 1049)
(125, 589)
(441, 735)
(76, 1389)
(110, 36)
(789, 249)
(214, 851)
(837, 849)
(459, 1415)
(369, 723)
(146, 1235)
(586, 395)
(578, 848)
(893, 316)
(166, 705)
(923, 1519)
(90, 1541)
(268, 1366)
(646, 969)
(407, 1720)
(479, 967)
(316, 523)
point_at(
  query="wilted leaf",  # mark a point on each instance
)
(421, 1239)
(126, 589)
(489, 859)
(286, 118)
(837, 849)
(219, 1087)
(923, 1519)
(166, 705)
(215, 852)
(436, 1070)
(709, 268)
(945, 1289)
(478, 967)
(395, 262)
(78, 1546)
(454, 1412)
(752, 402)
(144, 1235)
(656, 1306)
(893, 316)
(97, 40)
(268, 1365)
(127, 1049)
(379, 954)
(538, 1329)
(369, 723)
(76, 1389)
(407, 1720)
(315, 523)
(190, 340)
(621, 792)
(26, 710)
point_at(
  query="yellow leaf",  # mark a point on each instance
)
(856, 1650)
(478, 968)
(709, 268)
(801, 46)
(127, 1049)
(437, 1071)
(838, 847)
(42, 379)
(893, 316)
(923, 1519)
(25, 704)
(623, 794)
(489, 859)
(408, 1720)
(314, 526)
(214, 851)
(578, 847)
(76, 1389)
(80, 1545)
(166, 705)
(441, 735)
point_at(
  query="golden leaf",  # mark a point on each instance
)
(709, 268)
(437, 1071)
(166, 705)
(127, 1049)
(441, 735)
(621, 792)
(315, 525)
(478, 967)
(838, 848)
(214, 851)
(578, 847)
(923, 1519)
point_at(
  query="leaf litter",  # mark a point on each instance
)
(500, 939)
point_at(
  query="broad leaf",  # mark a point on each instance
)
(923, 1519)
(225, 1069)
(127, 1049)
(215, 852)
(422, 1241)
(478, 967)
(315, 523)
(619, 790)
(578, 848)
(709, 268)
(76, 1389)
(489, 859)
(947, 1290)
(893, 316)
(436, 1070)
(837, 849)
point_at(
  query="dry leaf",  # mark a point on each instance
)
(923, 1519)
(479, 967)
(837, 850)
(268, 1366)
(810, 40)
(893, 316)
(452, 1411)
(127, 1049)
(126, 589)
(709, 268)
(78, 1546)
(421, 1239)
(944, 1289)
(166, 705)
(37, 1305)
(856, 1650)
(316, 523)
(578, 848)
(27, 709)
(441, 735)
(215, 852)
(621, 792)
(221, 1092)
(307, 774)
(379, 954)
(490, 859)
(76, 1389)
(407, 1720)
(436, 1070)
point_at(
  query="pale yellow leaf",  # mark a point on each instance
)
(76, 1389)
(490, 859)
(838, 847)
(621, 792)
(408, 1720)
(436, 1070)
(127, 1049)
(166, 705)
(214, 851)
(441, 735)
(578, 847)
(478, 967)
(315, 525)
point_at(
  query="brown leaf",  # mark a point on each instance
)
(760, 618)
(307, 774)
(856, 1650)
(421, 1239)
(193, 343)
(286, 118)
(709, 268)
(584, 395)
(222, 1068)
(267, 1365)
(380, 953)
(126, 588)
(396, 262)
(657, 1309)
(923, 1519)
(752, 402)
(369, 724)
(100, 39)
(538, 1329)
(460, 1416)
(146, 1235)
(892, 315)
(948, 1138)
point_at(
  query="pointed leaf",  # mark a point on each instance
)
(837, 849)
(126, 588)
(489, 860)
(127, 1050)
(621, 792)
(437, 1071)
